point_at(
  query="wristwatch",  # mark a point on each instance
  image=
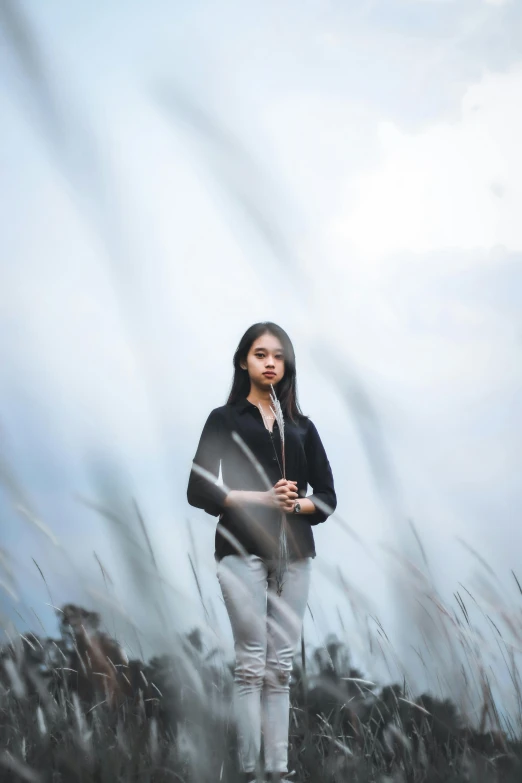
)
(297, 507)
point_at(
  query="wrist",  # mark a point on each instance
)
(268, 498)
(230, 497)
(239, 497)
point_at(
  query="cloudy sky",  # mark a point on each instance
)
(172, 173)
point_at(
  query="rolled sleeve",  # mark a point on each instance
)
(319, 477)
(203, 492)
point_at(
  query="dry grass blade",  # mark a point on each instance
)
(236, 173)
(278, 413)
(9, 590)
(39, 524)
(249, 519)
(282, 552)
(236, 437)
(105, 573)
(417, 706)
(17, 767)
(478, 557)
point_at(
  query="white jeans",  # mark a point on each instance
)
(266, 629)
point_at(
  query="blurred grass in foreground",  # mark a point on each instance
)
(75, 708)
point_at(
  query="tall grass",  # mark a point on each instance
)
(74, 708)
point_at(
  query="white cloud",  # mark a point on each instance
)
(453, 185)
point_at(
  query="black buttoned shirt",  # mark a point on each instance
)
(254, 528)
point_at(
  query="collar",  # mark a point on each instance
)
(243, 405)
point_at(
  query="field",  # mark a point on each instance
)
(74, 708)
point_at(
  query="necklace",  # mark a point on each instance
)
(267, 417)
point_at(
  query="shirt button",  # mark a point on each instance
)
(274, 459)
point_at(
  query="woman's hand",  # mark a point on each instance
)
(283, 495)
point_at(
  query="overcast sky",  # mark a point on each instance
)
(172, 173)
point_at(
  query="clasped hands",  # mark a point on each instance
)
(283, 495)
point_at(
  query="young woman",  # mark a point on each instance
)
(244, 437)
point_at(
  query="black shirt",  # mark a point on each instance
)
(254, 527)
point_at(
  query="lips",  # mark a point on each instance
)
(269, 374)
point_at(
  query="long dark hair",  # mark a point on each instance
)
(286, 389)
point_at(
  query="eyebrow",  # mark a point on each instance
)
(260, 348)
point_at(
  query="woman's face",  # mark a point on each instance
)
(265, 361)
